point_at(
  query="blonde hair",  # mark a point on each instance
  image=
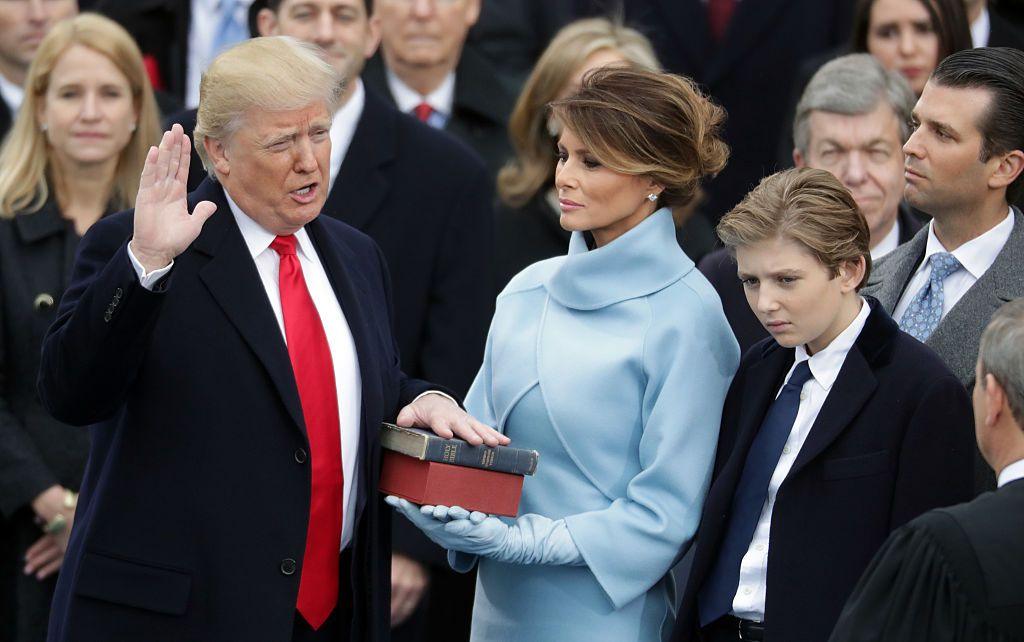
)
(534, 164)
(809, 206)
(27, 158)
(651, 124)
(273, 73)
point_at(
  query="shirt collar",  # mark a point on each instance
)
(12, 94)
(1011, 473)
(889, 242)
(978, 254)
(343, 127)
(826, 364)
(440, 100)
(258, 239)
(981, 29)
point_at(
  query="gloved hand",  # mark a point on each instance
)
(530, 539)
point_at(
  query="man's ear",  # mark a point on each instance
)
(798, 158)
(266, 23)
(373, 39)
(995, 400)
(216, 152)
(1008, 169)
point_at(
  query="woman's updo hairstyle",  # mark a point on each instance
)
(647, 123)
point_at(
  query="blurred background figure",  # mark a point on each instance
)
(990, 29)
(179, 38)
(527, 227)
(425, 70)
(75, 152)
(23, 25)
(954, 573)
(852, 121)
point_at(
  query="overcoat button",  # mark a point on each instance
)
(287, 566)
(301, 456)
(43, 301)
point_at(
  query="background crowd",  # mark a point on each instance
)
(444, 153)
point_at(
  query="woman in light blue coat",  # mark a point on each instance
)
(613, 362)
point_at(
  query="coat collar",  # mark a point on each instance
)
(41, 224)
(643, 260)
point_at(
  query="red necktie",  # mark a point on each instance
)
(423, 112)
(719, 14)
(314, 377)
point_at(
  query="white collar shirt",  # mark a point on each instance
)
(339, 340)
(976, 256)
(749, 601)
(889, 242)
(343, 127)
(12, 94)
(441, 100)
(1011, 473)
(981, 28)
(202, 30)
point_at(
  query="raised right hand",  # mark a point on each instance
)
(163, 225)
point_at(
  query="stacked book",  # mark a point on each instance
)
(426, 469)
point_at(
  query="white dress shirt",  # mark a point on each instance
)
(12, 94)
(889, 242)
(343, 127)
(976, 256)
(981, 29)
(824, 365)
(1011, 473)
(339, 338)
(441, 100)
(202, 29)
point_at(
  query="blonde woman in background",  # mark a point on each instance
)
(527, 228)
(75, 152)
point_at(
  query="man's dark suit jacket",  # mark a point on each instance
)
(1003, 33)
(893, 440)
(192, 519)
(720, 269)
(750, 73)
(952, 574)
(480, 109)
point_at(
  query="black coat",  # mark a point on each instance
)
(951, 575)
(720, 269)
(480, 108)
(192, 517)
(36, 451)
(750, 74)
(525, 235)
(894, 439)
(1003, 33)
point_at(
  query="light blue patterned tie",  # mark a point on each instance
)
(232, 27)
(925, 311)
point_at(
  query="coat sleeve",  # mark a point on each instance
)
(936, 461)
(92, 352)
(690, 357)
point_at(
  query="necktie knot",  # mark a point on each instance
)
(423, 111)
(284, 245)
(944, 264)
(801, 374)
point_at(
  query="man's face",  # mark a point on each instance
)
(944, 172)
(24, 24)
(340, 27)
(862, 151)
(425, 33)
(276, 166)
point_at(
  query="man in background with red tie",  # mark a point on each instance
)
(232, 354)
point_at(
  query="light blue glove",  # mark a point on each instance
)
(530, 539)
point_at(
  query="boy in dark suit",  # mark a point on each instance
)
(836, 430)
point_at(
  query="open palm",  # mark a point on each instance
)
(163, 225)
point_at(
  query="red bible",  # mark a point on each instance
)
(431, 482)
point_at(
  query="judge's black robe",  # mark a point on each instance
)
(952, 575)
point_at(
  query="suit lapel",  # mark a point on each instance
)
(894, 271)
(234, 282)
(362, 182)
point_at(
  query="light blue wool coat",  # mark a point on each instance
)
(614, 364)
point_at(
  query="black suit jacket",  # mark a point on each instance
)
(193, 512)
(894, 439)
(480, 109)
(1003, 33)
(951, 574)
(720, 269)
(750, 73)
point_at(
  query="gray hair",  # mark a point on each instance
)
(1001, 354)
(852, 85)
(276, 73)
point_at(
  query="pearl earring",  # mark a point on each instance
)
(652, 198)
(44, 127)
